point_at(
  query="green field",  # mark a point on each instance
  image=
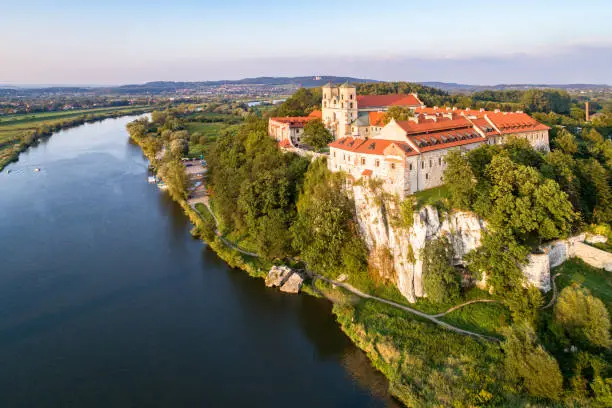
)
(209, 126)
(17, 132)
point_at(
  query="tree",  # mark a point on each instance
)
(459, 180)
(524, 204)
(179, 147)
(325, 232)
(583, 317)
(316, 135)
(397, 113)
(173, 174)
(440, 280)
(530, 364)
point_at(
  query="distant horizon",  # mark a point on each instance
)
(71, 42)
(100, 85)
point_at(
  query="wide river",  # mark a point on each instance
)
(107, 301)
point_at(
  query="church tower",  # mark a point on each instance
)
(339, 106)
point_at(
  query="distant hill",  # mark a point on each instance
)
(169, 86)
(465, 88)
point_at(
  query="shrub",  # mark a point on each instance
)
(584, 317)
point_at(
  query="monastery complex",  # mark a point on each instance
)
(407, 155)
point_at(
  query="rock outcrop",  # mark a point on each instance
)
(277, 276)
(293, 284)
(463, 229)
(284, 277)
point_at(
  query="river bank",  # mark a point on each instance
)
(16, 136)
(121, 307)
(418, 376)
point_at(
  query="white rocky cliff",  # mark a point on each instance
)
(464, 230)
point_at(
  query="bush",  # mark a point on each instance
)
(530, 364)
(584, 317)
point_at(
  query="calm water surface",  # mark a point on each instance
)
(106, 300)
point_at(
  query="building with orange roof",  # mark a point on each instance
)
(409, 156)
(290, 129)
(345, 112)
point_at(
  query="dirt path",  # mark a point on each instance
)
(431, 318)
(357, 292)
(554, 296)
(217, 232)
(452, 309)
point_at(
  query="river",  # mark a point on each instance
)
(107, 301)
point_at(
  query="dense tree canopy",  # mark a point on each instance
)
(325, 232)
(316, 134)
(440, 279)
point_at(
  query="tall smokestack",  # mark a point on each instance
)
(586, 108)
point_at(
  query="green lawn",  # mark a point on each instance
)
(436, 196)
(598, 281)
(210, 131)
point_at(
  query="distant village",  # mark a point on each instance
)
(408, 156)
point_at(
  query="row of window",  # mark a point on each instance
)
(441, 162)
(341, 96)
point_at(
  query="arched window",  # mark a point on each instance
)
(351, 96)
(351, 105)
(325, 104)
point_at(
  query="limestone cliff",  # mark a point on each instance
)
(463, 229)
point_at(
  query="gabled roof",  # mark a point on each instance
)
(382, 101)
(514, 122)
(370, 146)
(376, 118)
(294, 121)
(412, 127)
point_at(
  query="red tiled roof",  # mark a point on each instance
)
(366, 172)
(381, 101)
(316, 114)
(370, 146)
(376, 118)
(294, 121)
(412, 127)
(444, 139)
(485, 126)
(515, 122)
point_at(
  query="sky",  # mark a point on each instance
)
(135, 41)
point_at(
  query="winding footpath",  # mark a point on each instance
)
(357, 292)
(432, 318)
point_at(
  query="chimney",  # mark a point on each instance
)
(586, 109)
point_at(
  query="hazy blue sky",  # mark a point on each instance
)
(483, 42)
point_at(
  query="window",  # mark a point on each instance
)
(363, 161)
(351, 97)
(377, 163)
(392, 166)
(440, 161)
(351, 105)
(410, 166)
(429, 162)
(426, 176)
(422, 164)
(334, 154)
